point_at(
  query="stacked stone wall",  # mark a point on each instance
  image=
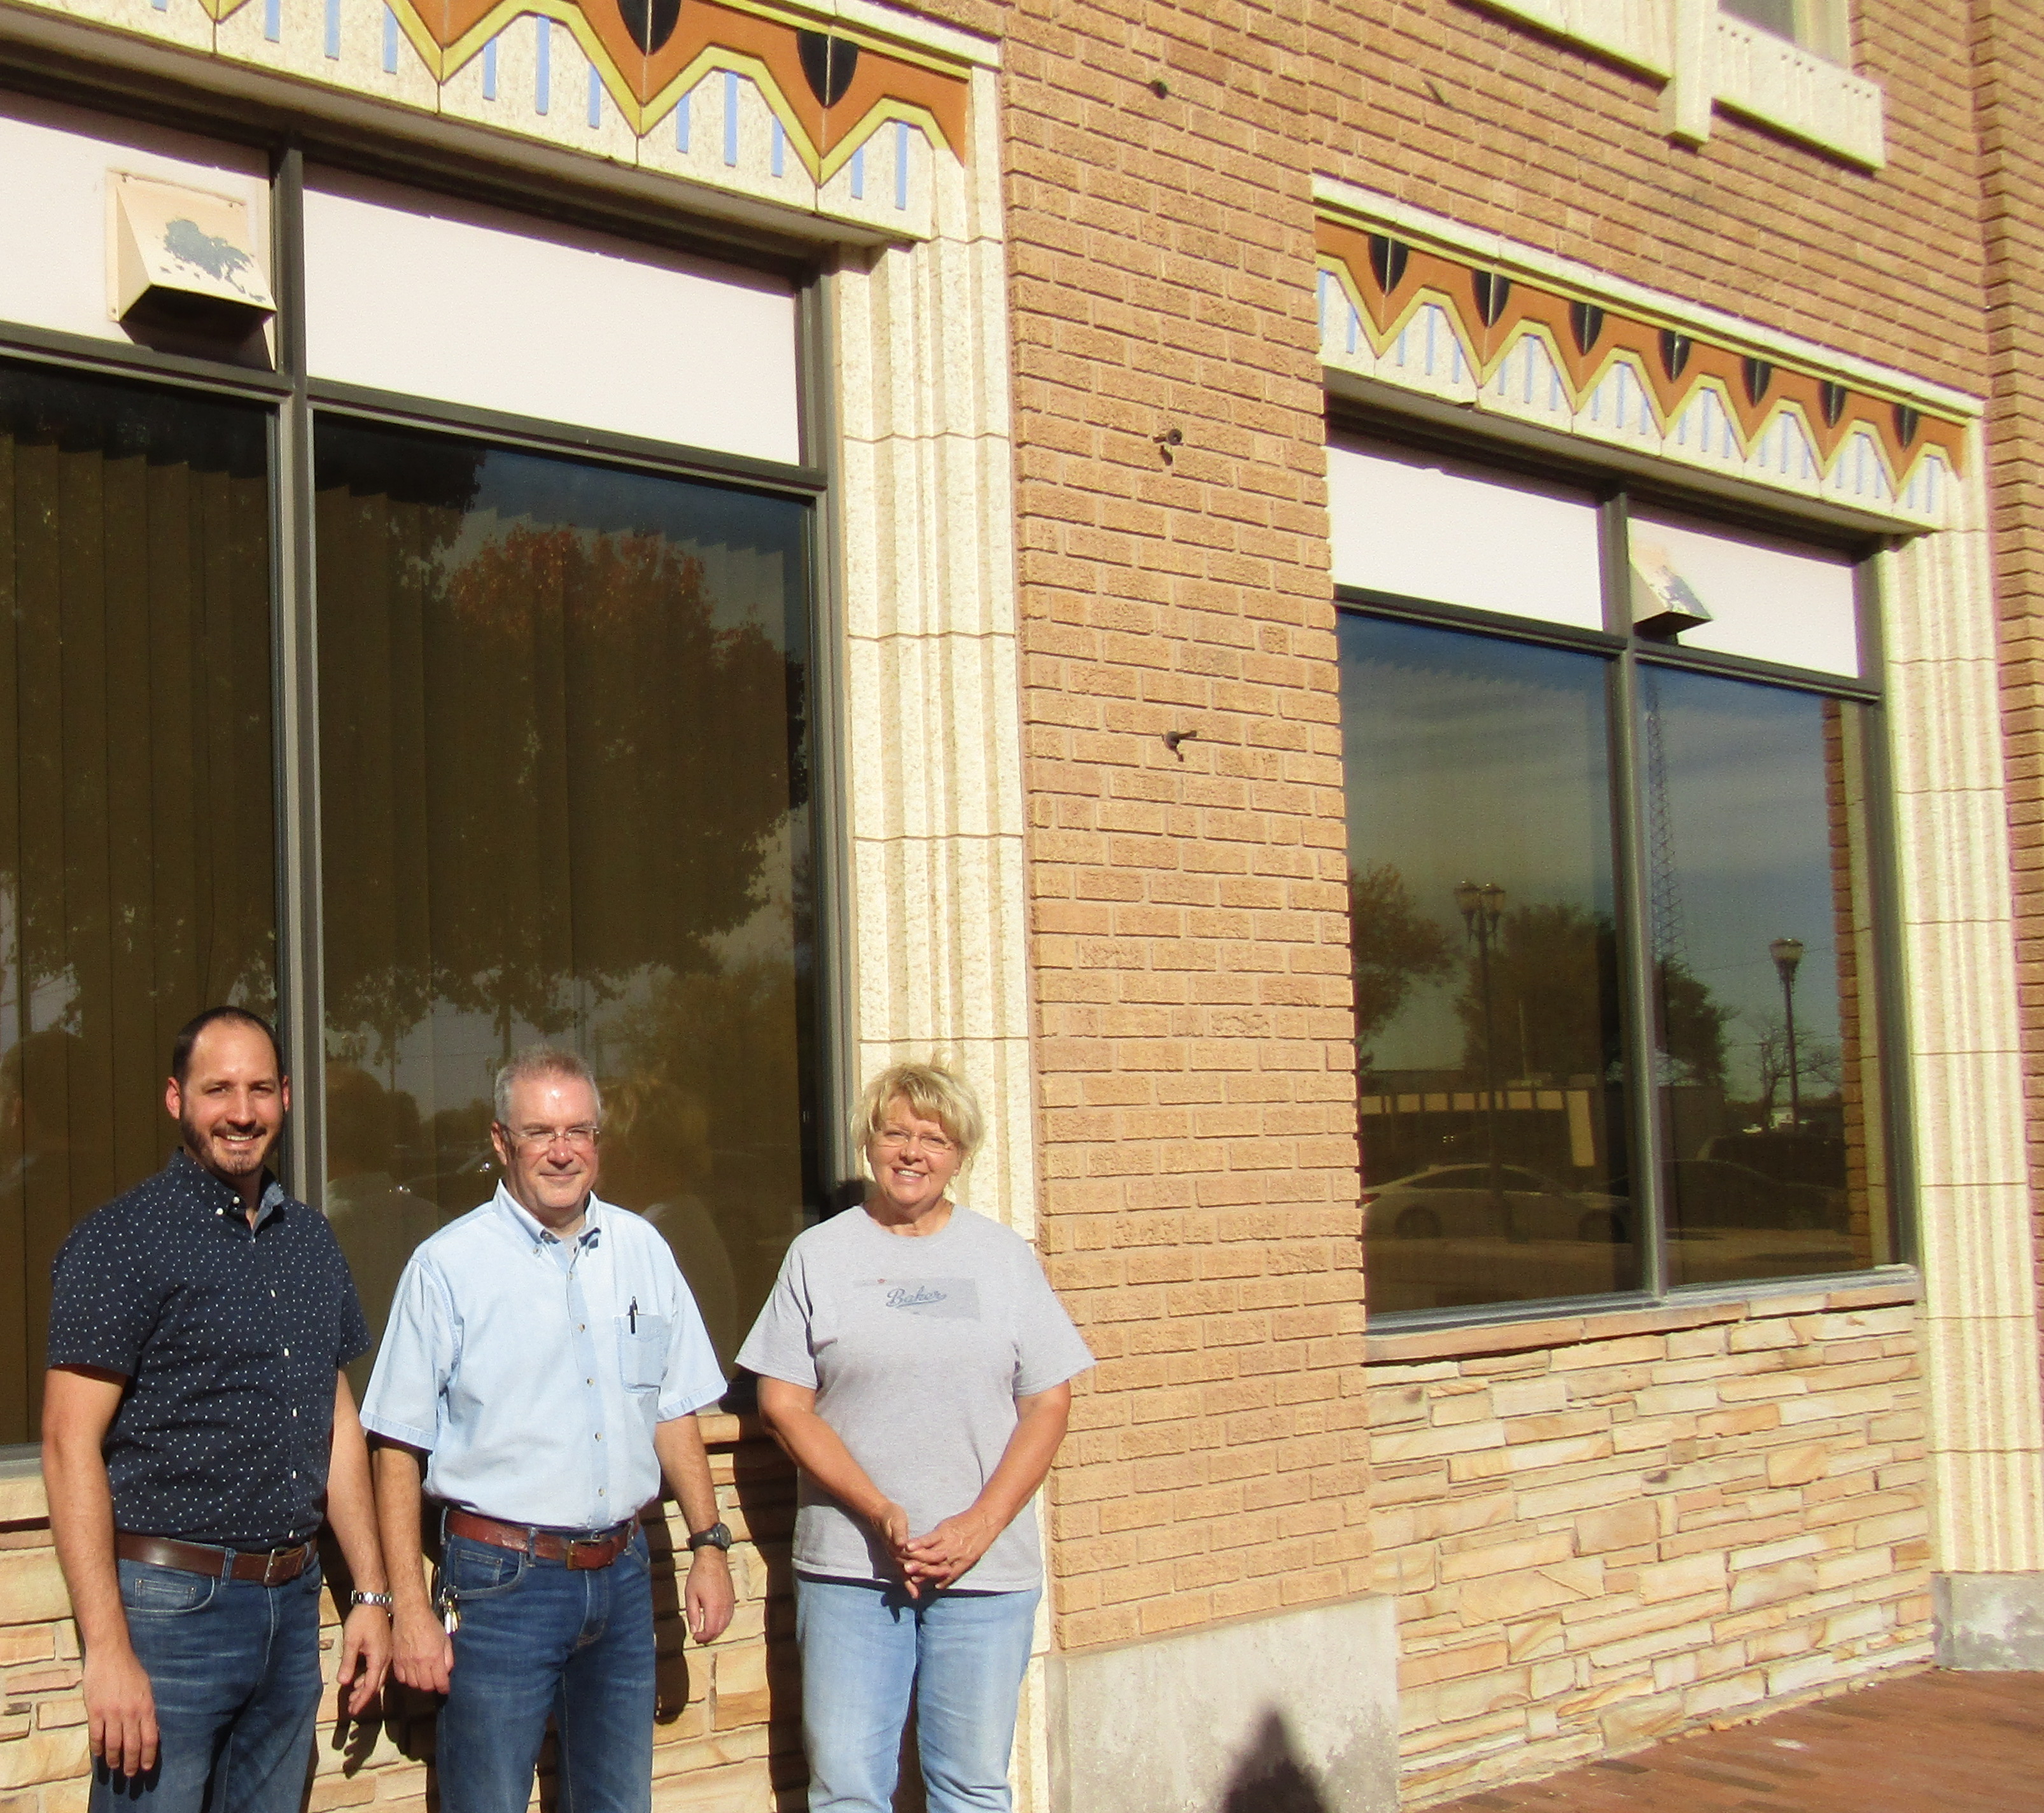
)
(726, 1741)
(1599, 1531)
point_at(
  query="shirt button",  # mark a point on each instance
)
(287, 1353)
(588, 1381)
(599, 1436)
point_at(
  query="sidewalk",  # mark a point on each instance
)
(1928, 1743)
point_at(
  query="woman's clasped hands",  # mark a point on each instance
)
(944, 1554)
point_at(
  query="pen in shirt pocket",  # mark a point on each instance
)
(632, 1316)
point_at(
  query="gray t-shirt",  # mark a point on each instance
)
(917, 1347)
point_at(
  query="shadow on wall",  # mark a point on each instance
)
(1268, 1777)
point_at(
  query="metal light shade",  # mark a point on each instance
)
(1787, 953)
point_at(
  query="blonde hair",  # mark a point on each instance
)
(931, 1092)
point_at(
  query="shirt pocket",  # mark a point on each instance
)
(642, 1350)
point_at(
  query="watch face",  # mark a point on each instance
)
(716, 1536)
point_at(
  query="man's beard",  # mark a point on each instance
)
(198, 1141)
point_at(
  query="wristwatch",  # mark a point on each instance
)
(716, 1536)
(359, 1597)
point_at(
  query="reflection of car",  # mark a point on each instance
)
(1711, 1193)
(1447, 1201)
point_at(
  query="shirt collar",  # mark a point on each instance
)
(533, 1234)
(225, 1199)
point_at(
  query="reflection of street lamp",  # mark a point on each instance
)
(1481, 909)
(1787, 953)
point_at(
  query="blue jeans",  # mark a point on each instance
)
(234, 1668)
(865, 1646)
(539, 1636)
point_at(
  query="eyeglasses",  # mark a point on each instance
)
(583, 1139)
(935, 1144)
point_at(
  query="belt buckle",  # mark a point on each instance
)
(275, 1559)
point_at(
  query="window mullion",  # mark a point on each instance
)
(299, 963)
(1639, 1011)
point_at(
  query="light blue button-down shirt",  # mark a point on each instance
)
(532, 1370)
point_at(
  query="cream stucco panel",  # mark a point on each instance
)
(1979, 1308)
(931, 699)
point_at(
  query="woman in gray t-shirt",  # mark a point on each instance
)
(914, 1361)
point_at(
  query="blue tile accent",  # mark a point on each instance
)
(731, 117)
(543, 70)
(859, 174)
(490, 71)
(333, 30)
(902, 163)
(780, 146)
(389, 42)
(595, 98)
(273, 20)
(161, 6)
(682, 123)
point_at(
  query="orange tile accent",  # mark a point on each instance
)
(1831, 408)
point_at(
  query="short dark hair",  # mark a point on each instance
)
(181, 1046)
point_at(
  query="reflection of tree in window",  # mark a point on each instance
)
(1394, 946)
(562, 722)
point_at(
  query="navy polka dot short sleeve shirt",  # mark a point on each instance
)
(232, 1337)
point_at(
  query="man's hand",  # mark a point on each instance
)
(120, 1710)
(708, 1597)
(422, 1652)
(365, 1657)
(953, 1547)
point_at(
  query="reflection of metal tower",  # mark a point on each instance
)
(1664, 890)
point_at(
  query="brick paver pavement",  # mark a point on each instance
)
(1927, 1743)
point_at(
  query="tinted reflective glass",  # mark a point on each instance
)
(1485, 969)
(1770, 1082)
(137, 878)
(563, 796)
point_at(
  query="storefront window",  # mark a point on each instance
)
(563, 736)
(1622, 832)
(1769, 1067)
(1490, 1068)
(137, 861)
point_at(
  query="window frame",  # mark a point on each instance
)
(1617, 491)
(292, 397)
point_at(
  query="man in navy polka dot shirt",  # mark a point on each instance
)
(197, 1430)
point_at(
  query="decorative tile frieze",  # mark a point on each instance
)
(1422, 312)
(847, 111)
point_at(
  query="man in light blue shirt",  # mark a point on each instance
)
(543, 1365)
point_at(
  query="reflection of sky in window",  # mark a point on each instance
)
(1471, 758)
(1751, 838)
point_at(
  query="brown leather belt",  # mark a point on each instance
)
(583, 1552)
(267, 1567)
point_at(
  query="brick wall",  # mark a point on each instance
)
(1601, 1532)
(1200, 1200)
(1198, 1203)
(1445, 105)
(2010, 95)
(727, 1731)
